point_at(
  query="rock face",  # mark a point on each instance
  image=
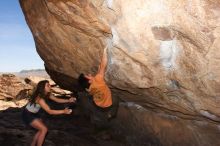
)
(11, 86)
(163, 54)
(165, 51)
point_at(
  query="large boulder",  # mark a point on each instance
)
(162, 54)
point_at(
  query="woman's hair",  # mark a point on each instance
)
(83, 81)
(39, 91)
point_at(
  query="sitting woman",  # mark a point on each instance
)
(31, 116)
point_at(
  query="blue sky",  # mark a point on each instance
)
(17, 48)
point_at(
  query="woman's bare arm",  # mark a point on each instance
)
(60, 100)
(44, 105)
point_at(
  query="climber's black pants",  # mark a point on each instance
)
(98, 115)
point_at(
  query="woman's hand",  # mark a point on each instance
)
(72, 100)
(67, 111)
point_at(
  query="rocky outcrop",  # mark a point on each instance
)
(15, 88)
(164, 51)
(11, 86)
(163, 54)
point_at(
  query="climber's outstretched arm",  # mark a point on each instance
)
(103, 63)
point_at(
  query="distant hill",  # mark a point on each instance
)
(32, 72)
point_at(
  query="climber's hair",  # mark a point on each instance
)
(83, 82)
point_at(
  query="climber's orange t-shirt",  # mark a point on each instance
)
(100, 92)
